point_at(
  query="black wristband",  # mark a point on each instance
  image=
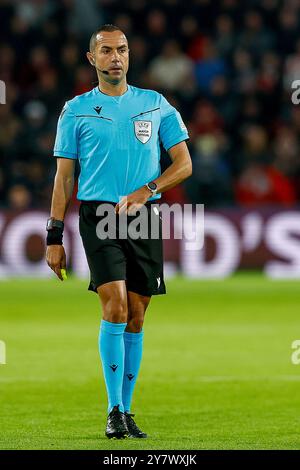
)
(54, 237)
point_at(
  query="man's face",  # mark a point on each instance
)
(112, 54)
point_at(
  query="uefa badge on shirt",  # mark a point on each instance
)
(143, 130)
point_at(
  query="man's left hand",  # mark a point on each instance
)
(133, 202)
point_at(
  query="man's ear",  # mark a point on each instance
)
(90, 58)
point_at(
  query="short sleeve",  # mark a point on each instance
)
(172, 128)
(66, 142)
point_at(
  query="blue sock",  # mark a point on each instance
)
(111, 347)
(133, 355)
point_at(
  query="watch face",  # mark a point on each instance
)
(152, 186)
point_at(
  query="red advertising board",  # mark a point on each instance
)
(234, 239)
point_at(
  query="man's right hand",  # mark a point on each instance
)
(56, 259)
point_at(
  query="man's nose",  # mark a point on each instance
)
(116, 56)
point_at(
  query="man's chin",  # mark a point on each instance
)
(115, 80)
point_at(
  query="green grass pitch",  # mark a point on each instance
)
(216, 371)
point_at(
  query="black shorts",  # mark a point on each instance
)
(139, 261)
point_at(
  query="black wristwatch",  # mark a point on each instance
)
(152, 187)
(54, 223)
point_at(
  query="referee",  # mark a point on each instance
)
(115, 131)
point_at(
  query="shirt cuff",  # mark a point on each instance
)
(176, 141)
(61, 153)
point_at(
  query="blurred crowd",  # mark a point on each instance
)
(227, 65)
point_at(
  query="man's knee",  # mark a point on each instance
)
(115, 311)
(135, 324)
(137, 306)
(114, 302)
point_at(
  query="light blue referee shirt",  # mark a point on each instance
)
(117, 140)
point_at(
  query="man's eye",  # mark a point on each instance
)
(123, 51)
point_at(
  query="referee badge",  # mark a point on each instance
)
(143, 130)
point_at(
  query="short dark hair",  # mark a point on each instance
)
(110, 28)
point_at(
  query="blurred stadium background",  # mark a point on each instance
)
(226, 65)
(227, 380)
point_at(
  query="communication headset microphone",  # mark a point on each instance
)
(102, 71)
